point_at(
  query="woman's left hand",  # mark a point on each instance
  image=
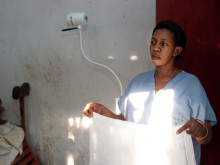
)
(197, 130)
(192, 127)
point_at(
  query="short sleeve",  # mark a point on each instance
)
(201, 105)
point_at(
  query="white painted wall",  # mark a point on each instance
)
(33, 49)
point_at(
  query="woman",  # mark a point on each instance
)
(167, 95)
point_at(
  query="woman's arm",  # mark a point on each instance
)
(100, 109)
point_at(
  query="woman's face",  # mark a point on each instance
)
(162, 47)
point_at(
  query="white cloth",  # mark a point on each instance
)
(116, 142)
(11, 138)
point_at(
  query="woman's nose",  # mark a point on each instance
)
(156, 47)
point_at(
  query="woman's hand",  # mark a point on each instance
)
(197, 130)
(100, 109)
(192, 127)
(93, 107)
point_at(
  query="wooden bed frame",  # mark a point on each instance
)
(27, 157)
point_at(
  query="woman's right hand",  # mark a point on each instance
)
(93, 107)
(100, 109)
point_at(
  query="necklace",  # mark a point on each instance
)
(170, 76)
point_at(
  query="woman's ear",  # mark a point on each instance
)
(177, 51)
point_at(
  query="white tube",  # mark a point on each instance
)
(104, 66)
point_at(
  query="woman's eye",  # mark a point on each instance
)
(164, 44)
(152, 42)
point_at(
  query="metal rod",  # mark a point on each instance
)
(68, 29)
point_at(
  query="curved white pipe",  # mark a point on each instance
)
(104, 66)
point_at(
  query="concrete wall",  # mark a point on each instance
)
(33, 49)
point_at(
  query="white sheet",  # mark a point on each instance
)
(116, 142)
(11, 138)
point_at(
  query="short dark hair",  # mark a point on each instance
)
(179, 34)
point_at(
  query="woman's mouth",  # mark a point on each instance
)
(155, 57)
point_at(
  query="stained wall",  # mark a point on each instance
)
(33, 49)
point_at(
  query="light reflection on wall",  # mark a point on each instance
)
(111, 57)
(74, 124)
(134, 58)
(70, 159)
(70, 121)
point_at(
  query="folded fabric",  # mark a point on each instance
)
(116, 142)
(11, 138)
